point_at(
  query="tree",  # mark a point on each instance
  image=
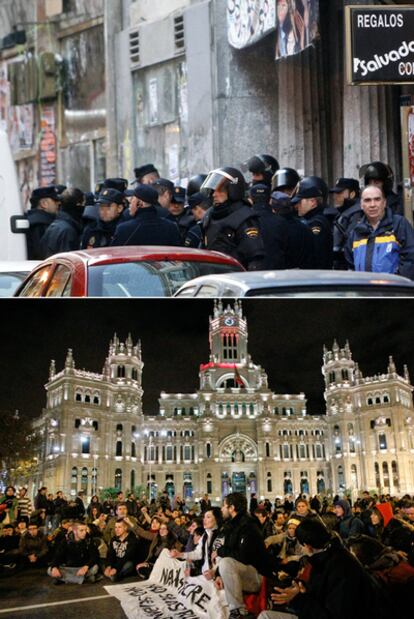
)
(18, 448)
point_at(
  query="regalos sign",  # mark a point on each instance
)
(380, 44)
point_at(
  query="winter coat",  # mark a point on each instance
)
(62, 235)
(30, 545)
(76, 554)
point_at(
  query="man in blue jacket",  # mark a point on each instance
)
(382, 242)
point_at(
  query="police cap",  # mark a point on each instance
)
(108, 196)
(163, 183)
(146, 193)
(44, 192)
(259, 193)
(148, 168)
(178, 195)
(345, 183)
(120, 184)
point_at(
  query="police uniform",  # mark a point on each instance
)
(39, 221)
(233, 228)
(321, 229)
(147, 228)
(100, 233)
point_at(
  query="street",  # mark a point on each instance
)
(31, 594)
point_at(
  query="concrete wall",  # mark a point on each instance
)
(15, 11)
(150, 10)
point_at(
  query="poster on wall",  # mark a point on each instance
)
(249, 21)
(47, 165)
(4, 96)
(297, 26)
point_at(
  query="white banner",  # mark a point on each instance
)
(168, 594)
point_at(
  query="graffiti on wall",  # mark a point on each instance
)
(297, 26)
(248, 21)
(47, 165)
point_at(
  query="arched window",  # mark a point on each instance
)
(88, 398)
(209, 484)
(78, 395)
(269, 482)
(121, 371)
(370, 402)
(382, 439)
(354, 476)
(287, 486)
(118, 450)
(133, 450)
(386, 398)
(84, 480)
(96, 399)
(74, 481)
(267, 449)
(386, 474)
(208, 450)
(377, 400)
(118, 479)
(341, 478)
(119, 427)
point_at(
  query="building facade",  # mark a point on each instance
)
(233, 433)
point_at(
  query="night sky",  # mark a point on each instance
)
(286, 338)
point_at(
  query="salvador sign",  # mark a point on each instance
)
(380, 44)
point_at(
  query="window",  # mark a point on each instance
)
(78, 396)
(118, 479)
(74, 481)
(169, 453)
(132, 480)
(60, 284)
(386, 474)
(229, 341)
(95, 425)
(267, 450)
(208, 450)
(133, 450)
(345, 375)
(134, 374)
(331, 377)
(86, 444)
(87, 398)
(318, 450)
(377, 475)
(119, 427)
(386, 399)
(121, 371)
(96, 399)
(209, 484)
(382, 439)
(36, 283)
(77, 423)
(302, 451)
(269, 482)
(187, 452)
(118, 450)
(286, 452)
(84, 480)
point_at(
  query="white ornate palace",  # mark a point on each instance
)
(232, 433)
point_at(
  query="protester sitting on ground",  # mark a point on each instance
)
(337, 585)
(21, 527)
(9, 547)
(347, 523)
(76, 559)
(163, 539)
(388, 567)
(94, 503)
(60, 533)
(195, 523)
(285, 546)
(279, 521)
(302, 510)
(265, 522)
(202, 555)
(121, 512)
(122, 552)
(33, 547)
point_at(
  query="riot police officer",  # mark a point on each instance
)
(309, 203)
(194, 184)
(285, 180)
(147, 227)
(101, 232)
(262, 169)
(231, 226)
(146, 174)
(381, 175)
(346, 199)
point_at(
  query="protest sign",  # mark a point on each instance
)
(168, 594)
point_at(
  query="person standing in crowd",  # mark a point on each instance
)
(205, 503)
(44, 207)
(285, 180)
(308, 201)
(382, 242)
(379, 174)
(262, 168)
(146, 174)
(230, 226)
(24, 505)
(346, 195)
(101, 233)
(9, 506)
(147, 227)
(64, 233)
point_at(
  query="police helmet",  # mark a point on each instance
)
(316, 181)
(378, 171)
(120, 184)
(262, 164)
(227, 179)
(194, 184)
(307, 188)
(285, 177)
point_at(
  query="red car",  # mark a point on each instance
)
(123, 272)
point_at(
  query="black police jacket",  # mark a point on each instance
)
(288, 242)
(243, 542)
(39, 222)
(321, 229)
(99, 233)
(185, 221)
(233, 228)
(62, 235)
(147, 228)
(348, 217)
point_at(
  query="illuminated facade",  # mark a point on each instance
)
(232, 433)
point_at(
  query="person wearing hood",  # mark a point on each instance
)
(64, 233)
(347, 523)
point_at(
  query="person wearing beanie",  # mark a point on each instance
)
(347, 523)
(64, 233)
